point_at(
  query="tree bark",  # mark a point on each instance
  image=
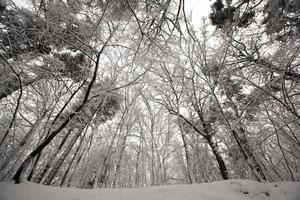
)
(62, 158)
(39, 149)
(51, 159)
(23, 143)
(71, 162)
(252, 163)
(118, 167)
(222, 167)
(187, 156)
(33, 168)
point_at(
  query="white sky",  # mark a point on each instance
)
(199, 9)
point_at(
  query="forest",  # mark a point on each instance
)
(129, 93)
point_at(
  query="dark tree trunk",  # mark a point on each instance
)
(245, 147)
(60, 161)
(39, 149)
(249, 156)
(81, 157)
(252, 157)
(51, 159)
(37, 159)
(23, 142)
(73, 158)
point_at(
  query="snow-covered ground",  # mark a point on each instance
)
(229, 190)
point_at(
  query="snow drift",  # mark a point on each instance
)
(222, 190)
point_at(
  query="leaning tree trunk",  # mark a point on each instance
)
(24, 142)
(249, 156)
(61, 159)
(100, 176)
(215, 149)
(82, 156)
(252, 158)
(242, 141)
(214, 146)
(73, 158)
(20, 174)
(34, 167)
(252, 163)
(40, 177)
(100, 173)
(38, 157)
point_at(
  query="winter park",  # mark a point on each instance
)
(149, 99)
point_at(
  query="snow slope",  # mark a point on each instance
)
(229, 190)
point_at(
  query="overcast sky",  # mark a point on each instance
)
(199, 9)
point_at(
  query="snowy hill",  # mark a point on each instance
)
(222, 190)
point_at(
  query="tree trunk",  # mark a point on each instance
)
(23, 143)
(40, 177)
(82, 156)
(33, 168)
(39, 149)
(19, 174)
(99, 174)
(118, 167)
(222, 167)
(62, 158)
(250, 159)
(254, 161)
(137, 173)
(73, 158)
(187, 156)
